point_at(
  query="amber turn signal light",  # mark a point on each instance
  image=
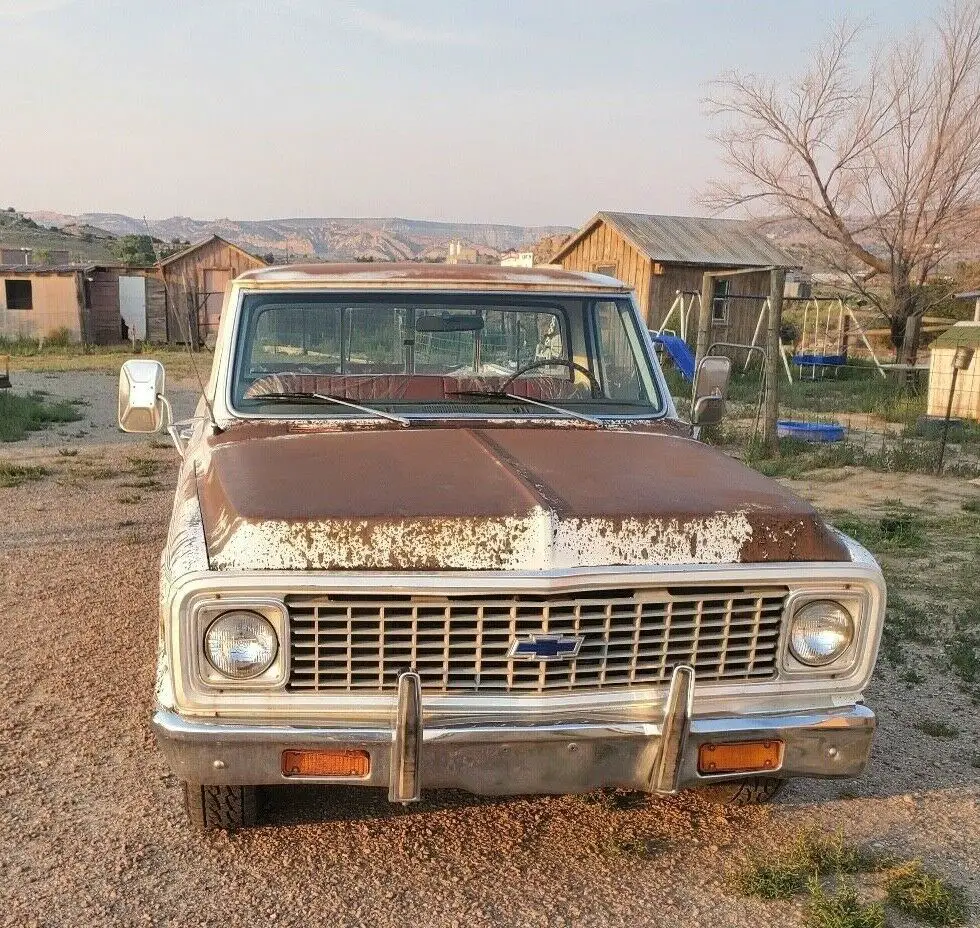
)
(740, 756)
(334, 763)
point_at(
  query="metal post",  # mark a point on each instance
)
(777, 282)
(704, 318)
(961, 362)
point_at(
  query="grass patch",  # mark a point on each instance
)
(21, 414)
(972, 505)
(920, 894)
(900, 529)
(964, 655)
(144, 467)
(13, 475)
(841, 908)
(787, 874)
(26, 355)
(911, 677)
(935, 728)
(129, 499)
(909, 619)
(818, 865)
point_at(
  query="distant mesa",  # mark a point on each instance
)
(327, 238)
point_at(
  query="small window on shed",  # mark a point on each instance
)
(608, 269)
(18, 294)
(719, 301)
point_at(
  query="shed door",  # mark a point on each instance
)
(132, 305)
(215, 281)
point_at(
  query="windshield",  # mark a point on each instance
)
(424, 354)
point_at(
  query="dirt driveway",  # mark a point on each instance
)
(92, 831)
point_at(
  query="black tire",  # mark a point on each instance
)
(226, 807)
(752, 791)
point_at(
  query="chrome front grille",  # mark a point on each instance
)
(460, 644)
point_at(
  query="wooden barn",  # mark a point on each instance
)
(194, 281)
(664, 259)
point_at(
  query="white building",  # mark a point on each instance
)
(517, 259)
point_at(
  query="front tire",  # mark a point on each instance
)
(751, 791)
(226, 807)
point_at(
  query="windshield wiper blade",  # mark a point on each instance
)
(301, 397)
(512, 397)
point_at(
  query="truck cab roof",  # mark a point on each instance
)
(415, 276)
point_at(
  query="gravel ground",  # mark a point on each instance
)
(99, 395)
(92, 831)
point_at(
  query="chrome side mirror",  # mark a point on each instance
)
(710, 390)
(142, 405)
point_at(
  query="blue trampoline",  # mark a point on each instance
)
(820, 360)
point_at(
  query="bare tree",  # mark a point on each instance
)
(880, 157)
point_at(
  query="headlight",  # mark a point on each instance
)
(820, 632)
(241, 644)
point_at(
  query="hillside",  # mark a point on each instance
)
(84, 243)
(332, 239)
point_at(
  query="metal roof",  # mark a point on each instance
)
(730, 243)
(44, 268)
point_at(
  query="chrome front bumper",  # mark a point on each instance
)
(487, 759)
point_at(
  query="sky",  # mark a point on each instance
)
(540, 112)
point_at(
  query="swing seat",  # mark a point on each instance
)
(820, 360)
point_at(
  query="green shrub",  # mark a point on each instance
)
(20, 414)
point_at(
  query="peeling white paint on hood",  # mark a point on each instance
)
(539, 541)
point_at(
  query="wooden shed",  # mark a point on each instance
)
(664, 258)
(194, 280)
(38, 302)
(966, 395)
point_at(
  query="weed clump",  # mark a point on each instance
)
(841, 909)
(915, 891)
(23, 413)
(935, 728)
(13, 475)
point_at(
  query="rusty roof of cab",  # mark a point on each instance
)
(411, 275)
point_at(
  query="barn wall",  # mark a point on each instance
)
(605, 246)
(743, 314)
(185, 280)
(57, 304)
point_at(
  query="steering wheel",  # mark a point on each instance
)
(594, 386)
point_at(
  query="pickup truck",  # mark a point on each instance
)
(442, 527)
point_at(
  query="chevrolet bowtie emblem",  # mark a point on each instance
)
(546, 647)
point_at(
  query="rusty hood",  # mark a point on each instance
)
(287, 498)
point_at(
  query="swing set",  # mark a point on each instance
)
(823, 345)
(823, 342)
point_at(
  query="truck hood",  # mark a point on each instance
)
(531, 499)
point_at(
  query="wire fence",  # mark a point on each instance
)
(853, 419)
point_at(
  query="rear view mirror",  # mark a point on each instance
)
(710, 390)
(142, 406)
(449, 322)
